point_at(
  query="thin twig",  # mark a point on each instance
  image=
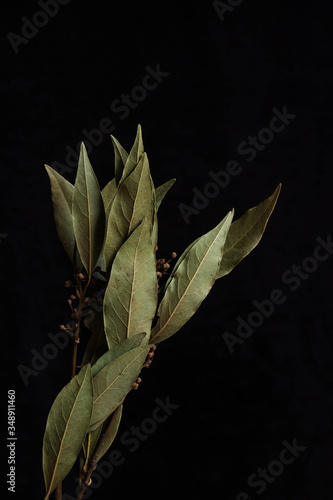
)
(96, 455)
(81, 294)
(58, 492)
(75, 346)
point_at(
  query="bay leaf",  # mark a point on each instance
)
(118, 350)
(134, 156)
(108, 193)
(120, 158)
(191, 282)
(93, 439)
(245, 233)
(112, 433)
(97, 344)
(134, 201)
(154, 226)
(154, 231)
(88, 213)
(162, 190)
(177, 264)
(112, 384)
(131, 294)
(62, 196)
(66, 427)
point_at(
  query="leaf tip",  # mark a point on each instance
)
(83, 150)
(49, 169)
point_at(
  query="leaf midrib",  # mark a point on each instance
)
(62, 440)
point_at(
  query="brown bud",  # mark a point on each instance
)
(73, 297)
(68, 283)
(173, 255)
(62, 327)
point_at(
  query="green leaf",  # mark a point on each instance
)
(191, 282)
(154, 229)
(118, 350)
(66, 427)
(112, 433)
(134, 156)
(154, 232)
(134, 201)
(93, 438)
(97, 344)
(120, 158)
(62, 195)
(245, 233)
(179, 261)
(162, 190)
(108, 193)
(131, 294)
(112, 384)
(88, 213)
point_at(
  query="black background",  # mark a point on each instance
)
(235, 410)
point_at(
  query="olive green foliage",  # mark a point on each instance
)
(110, 235)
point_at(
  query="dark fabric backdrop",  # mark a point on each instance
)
(223, 75)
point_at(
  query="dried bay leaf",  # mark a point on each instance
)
(112, 384)
(92, 440)
(66, 428)
(131, 295)
(108, 193)
(88, 213)
(191, 282)
(245, 233)
(133, 202)
(118, 350)
(62, 196)
(134, 156)
(96, 345)
(162, 190)
(120, 159)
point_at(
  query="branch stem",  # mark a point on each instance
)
(81, 294)
(58, 492)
